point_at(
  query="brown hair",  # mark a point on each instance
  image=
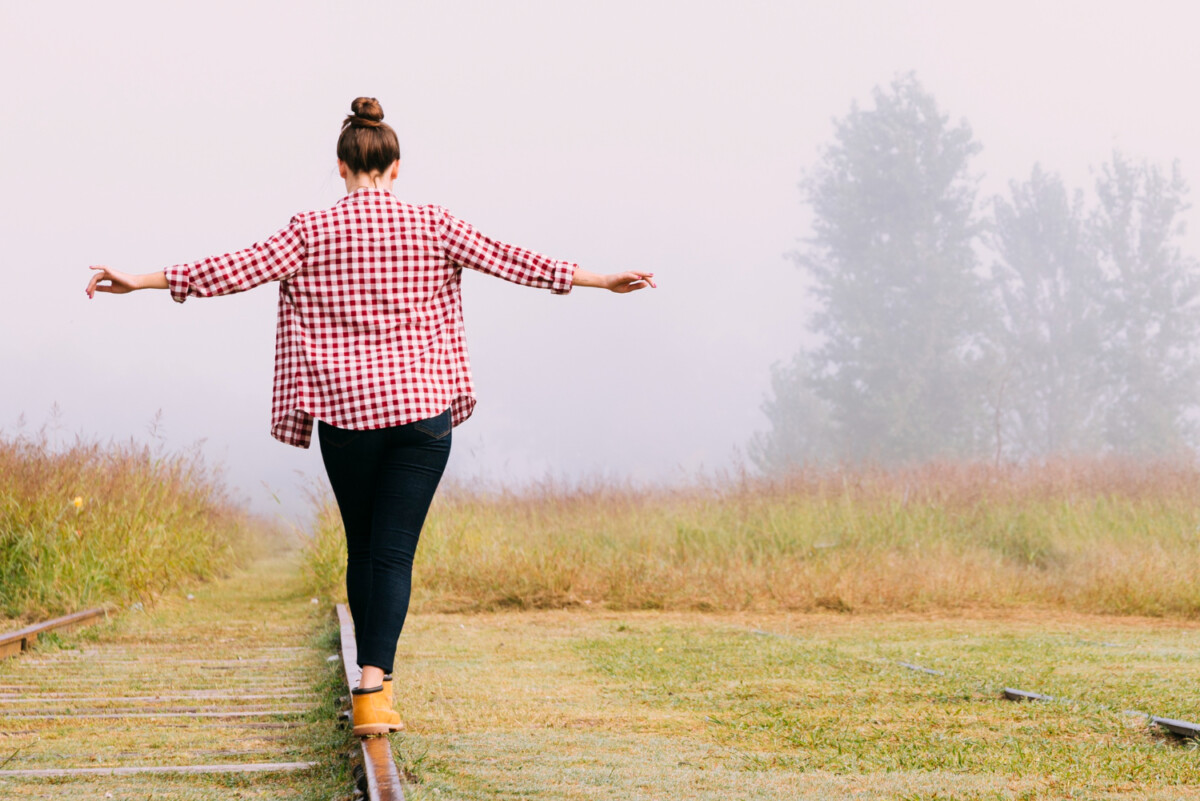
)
(367, 143)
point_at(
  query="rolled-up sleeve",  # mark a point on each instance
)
(467, 247)
(273, 259)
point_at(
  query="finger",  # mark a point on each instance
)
(96, 278)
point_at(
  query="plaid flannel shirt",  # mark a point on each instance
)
(370, 327)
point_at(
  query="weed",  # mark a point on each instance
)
(91, 523)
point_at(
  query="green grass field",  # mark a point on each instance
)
(570, 705)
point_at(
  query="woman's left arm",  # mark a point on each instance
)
(273, 259)
(469, 248)
(629, 281)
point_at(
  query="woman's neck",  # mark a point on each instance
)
(360, 180)
(380, 185)
(375, 179)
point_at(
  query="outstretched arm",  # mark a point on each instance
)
(273, 259)
(468, 248)
(119, 283)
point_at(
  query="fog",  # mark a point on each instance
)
(661, 135)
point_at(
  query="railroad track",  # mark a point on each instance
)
(206, 703)
(376, 775)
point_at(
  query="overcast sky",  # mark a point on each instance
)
(660, 135)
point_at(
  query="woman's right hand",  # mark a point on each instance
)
(119, 283)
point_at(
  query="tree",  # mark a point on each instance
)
(799, 421)
(1150, 318)
(893, 262)
(1082, 339)
(1049, 284)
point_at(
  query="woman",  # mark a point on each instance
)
(370, 344)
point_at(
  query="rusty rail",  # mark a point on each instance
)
(14, 642)
(380, 775)
(1180, 728)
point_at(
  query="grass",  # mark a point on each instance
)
(634, 670)
(743, 640)
(323, 553)
(664, 705)
(1099, 536)
(92, 523)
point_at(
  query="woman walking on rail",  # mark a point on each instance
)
(370, 344)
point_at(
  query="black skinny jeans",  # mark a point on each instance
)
(384, 481)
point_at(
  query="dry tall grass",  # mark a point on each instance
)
(91, 523)
(1105, 536)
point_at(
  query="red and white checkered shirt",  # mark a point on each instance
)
(370, 331)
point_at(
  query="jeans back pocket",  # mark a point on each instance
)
(335, 437)
(437, 427)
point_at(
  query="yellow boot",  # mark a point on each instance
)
(371, 713)
(391, 698)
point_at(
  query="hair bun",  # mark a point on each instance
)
(365, 113)
(367, 144)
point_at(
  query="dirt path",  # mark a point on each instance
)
(228, 679)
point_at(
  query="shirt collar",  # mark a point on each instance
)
(363, 191)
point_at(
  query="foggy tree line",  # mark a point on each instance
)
(1040, 322)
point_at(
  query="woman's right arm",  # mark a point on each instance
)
(273, 259)
(119, 283)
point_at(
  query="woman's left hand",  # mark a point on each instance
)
(629, 281)
(119, 282)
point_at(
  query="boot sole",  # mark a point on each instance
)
(364, 729)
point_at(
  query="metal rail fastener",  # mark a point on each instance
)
(382, 778)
